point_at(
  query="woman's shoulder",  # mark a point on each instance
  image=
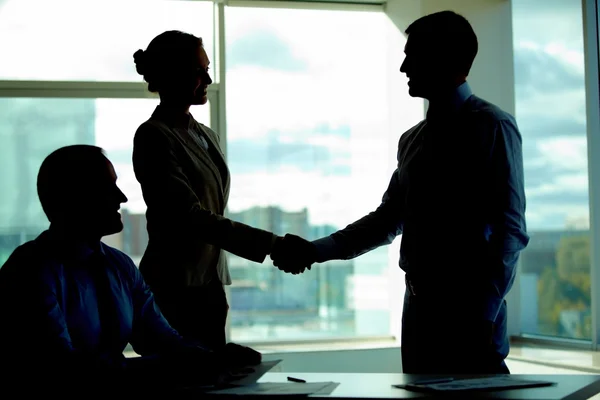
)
(153, 125)
(152, 130)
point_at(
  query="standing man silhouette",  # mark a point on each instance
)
(457, 197)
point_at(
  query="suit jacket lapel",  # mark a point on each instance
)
(201, 153)
(214, 142)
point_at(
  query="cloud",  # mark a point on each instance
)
(544, 126)
(551, 113)
(537, 69)
(261, 155)
(334, 199)
(75, 46)
(263, 48)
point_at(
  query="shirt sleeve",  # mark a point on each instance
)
(376, 229)
(152, 333)
(507, 234)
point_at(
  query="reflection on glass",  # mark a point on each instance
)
(90, 40)
(550, 109)
(307, 144)
(31, 128)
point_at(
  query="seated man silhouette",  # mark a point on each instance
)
(70, 304)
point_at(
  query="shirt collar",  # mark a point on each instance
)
(451, 103)
(184, 121)
(68, 247)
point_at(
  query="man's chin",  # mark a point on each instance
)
(415, 91)
(199, 101)
(113, 227)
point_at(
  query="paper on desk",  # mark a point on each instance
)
(286, 388)
(490, 383)
(259, 371)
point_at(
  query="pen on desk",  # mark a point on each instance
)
(432, 381)
(291, 379)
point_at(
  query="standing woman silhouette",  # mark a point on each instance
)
(185, 183)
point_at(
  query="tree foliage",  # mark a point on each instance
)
(567, 287)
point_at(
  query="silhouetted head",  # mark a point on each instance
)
(175, 65)
(440, 51)
(77, 186)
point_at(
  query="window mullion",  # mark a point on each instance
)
(60, 89)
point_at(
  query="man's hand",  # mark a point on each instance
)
(238, 361)
(240, 356)
(293, 254)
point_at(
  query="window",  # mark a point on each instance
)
(308, 144)
(31, 128)
(74, 40)
(70, 51)
(551, 113)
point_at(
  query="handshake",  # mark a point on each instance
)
(293, 254)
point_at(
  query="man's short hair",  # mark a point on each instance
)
(452, 33)
(63, 172)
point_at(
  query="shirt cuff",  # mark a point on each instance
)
(273, 241)
(326, 249)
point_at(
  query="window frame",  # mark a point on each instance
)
(591, 35)
(348, 5)
(591, 38)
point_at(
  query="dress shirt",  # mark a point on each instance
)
(50, 295)
(457, 197)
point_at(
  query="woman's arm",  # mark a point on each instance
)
(166, 188)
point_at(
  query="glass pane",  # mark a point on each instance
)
(32, 128)
(309, 152)
(90, 40)
(550, 110)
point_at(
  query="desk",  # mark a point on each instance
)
(379, 386)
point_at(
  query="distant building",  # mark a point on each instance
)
(275, 220)
(30, 129)
(135, 234)
(262, 294)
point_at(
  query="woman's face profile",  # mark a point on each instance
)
(197, 74)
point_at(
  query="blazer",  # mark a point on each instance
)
(186, 188)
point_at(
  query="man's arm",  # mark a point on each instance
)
(166, 188)
(152, 333)
(507, 235)
(376, 229)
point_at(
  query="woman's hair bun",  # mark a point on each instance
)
(139, 59)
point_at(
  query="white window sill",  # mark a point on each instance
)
(325, 345)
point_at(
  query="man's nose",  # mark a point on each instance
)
(403, 66)
(122, 197)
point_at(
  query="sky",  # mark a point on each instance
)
(308, 97)
(550, 110)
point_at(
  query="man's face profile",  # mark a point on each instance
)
(98, 200)
(426, 66)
